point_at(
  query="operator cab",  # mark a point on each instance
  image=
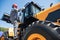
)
(27, 14)
(30, 10)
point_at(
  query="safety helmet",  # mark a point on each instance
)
(14, 6)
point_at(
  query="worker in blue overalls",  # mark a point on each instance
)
(14, 13)
(14, 18)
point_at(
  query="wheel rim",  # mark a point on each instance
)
(36, 36)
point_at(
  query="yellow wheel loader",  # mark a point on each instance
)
(38, 24)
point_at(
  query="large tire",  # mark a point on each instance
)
(38, 29)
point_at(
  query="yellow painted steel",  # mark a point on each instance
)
(43, 14)
(11, 32)
(36, 36)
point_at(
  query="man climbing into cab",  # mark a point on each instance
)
(14, 18)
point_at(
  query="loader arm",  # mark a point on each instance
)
(43, 14)
(48, 14)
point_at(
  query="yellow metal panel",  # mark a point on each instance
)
(43, 14)
(11, 32)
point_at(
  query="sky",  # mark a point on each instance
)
(6, 6)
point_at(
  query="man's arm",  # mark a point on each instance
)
(19, 10)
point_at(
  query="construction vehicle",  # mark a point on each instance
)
(38, 24)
